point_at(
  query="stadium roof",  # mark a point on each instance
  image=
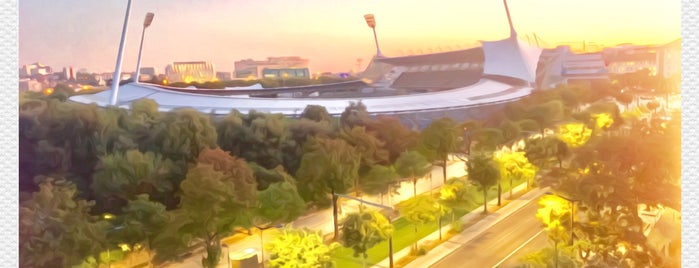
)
(458, 56)
(486, 91)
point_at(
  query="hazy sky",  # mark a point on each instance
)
(332, 34)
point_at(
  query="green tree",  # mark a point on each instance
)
(412, 165)
(355, 114)
(300, 248)
(421, 210)
(394, 135)
(514, 165)
(316, 113)
(482, 172)
(215, 198)
(363, 230)
(487, 139)
(328, 166)
(140, 222)
(368, 146)
(554, 212)
(300, 131)
(59, 140)
(55, 227)
(121, 177)
(182, 134)
(439, 139)
(456, 194)
(379, 180)
(279, 203)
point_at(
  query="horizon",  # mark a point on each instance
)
(55, 33)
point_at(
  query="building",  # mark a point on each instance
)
(223, 76)
(275, 66)
(26, 84)
(561, 66)
(190, 71)
(631, 58)
(34, 69)
(670, 59)
(147, 74)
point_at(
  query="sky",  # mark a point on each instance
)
(332, 34)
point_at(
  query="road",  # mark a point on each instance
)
(513, 234)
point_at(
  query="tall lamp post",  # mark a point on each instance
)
(371, 22)
(117, 72)
(571, 203)
(146, 22)
(390, 238)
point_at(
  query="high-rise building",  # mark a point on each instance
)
(223, 76)
(273, 67)
(34, 69)
(190, 71)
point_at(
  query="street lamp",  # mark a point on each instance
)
(571, 203)
(146, 22)
(109, 217)
(390, 238)
(117, 72)
(262, 249)
(371, 22)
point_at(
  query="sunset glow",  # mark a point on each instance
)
(331, 34)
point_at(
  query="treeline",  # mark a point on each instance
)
(93, 178)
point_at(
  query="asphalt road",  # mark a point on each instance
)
(513, 234)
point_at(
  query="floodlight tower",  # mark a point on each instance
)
(117, 73)
(509, 20)
(148, 20)
(371, 22)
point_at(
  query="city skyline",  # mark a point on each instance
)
(332, 35)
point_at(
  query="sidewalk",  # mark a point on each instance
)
(446, 247)
(320, 220)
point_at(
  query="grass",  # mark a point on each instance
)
(404, 234)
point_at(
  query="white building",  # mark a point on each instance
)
(190, 71)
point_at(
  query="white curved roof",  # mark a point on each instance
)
(484, 92)
(511, 57)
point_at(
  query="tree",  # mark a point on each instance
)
(544, 151)
(412, 165)
(316, 113)
(420, 210)
(257, 137)
(455, 194)
(482, 172)
(395, 136)
(355, 114)
(368, 146)
(514, 165)
(438, 140)
(300, 248)
(363, 230)
(215, 198)
(121, 177)
(328, 166)
(279, 203)
(554, 213)
(60, 139)
(379, 180)
(56, 229)
(487, 139)
(181, 134)
(141, 221)
(546, 113)
(300, 131)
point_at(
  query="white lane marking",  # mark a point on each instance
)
(517, 249)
